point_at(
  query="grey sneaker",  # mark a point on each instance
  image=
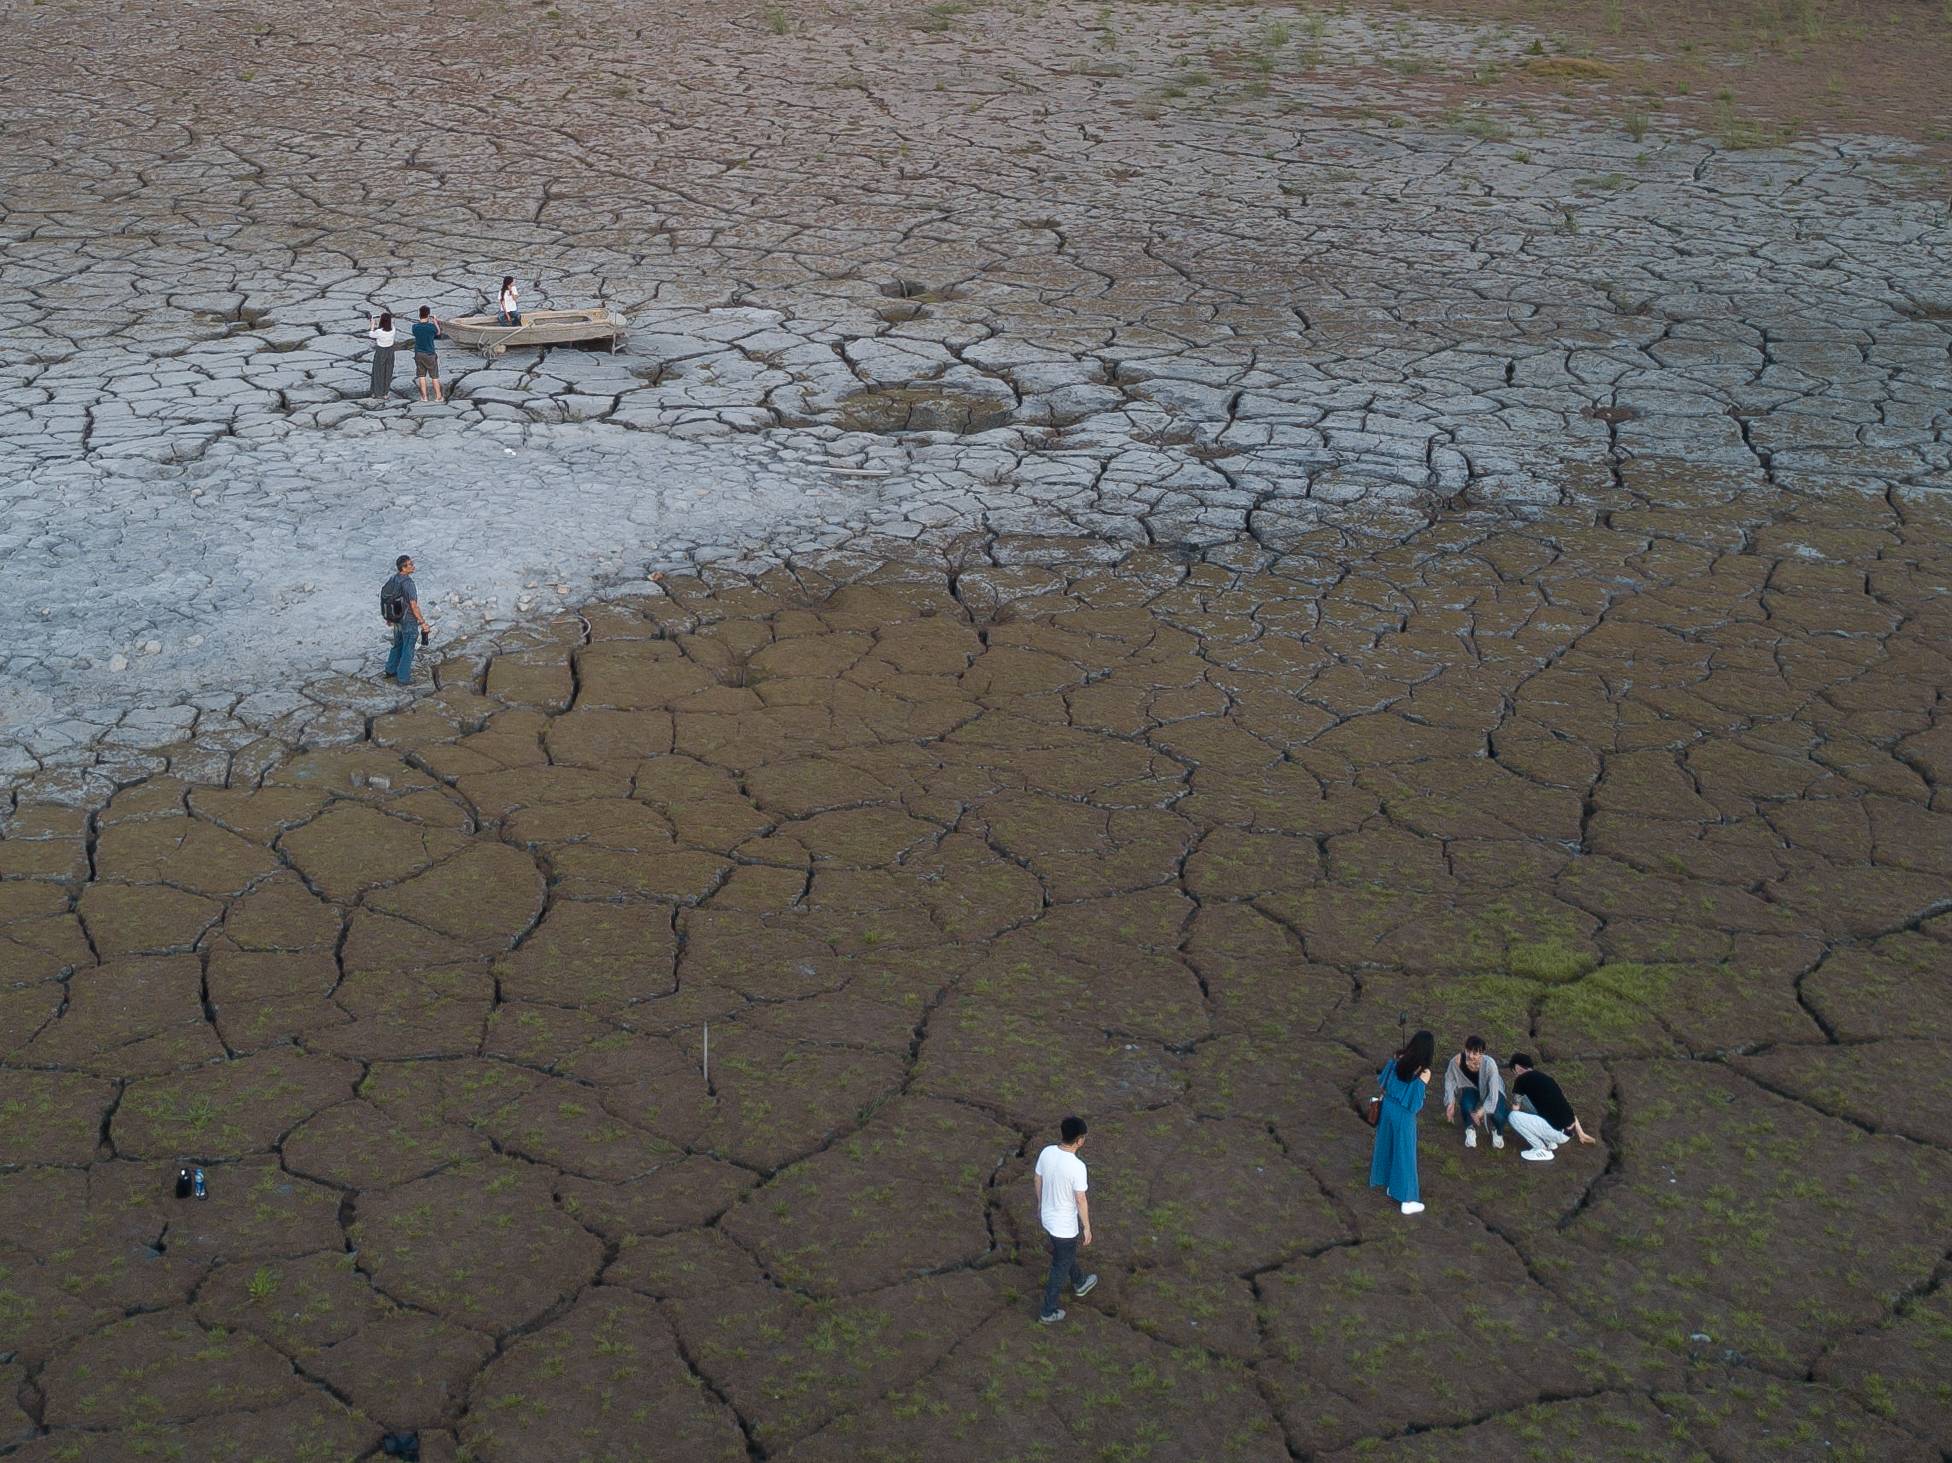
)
(1471, 1137)
(1497, 1139)
(1052, 1319)
(1086, 1286)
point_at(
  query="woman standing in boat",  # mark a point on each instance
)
(508, 312)
(1404, 1080)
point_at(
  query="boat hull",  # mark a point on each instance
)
(538, 328)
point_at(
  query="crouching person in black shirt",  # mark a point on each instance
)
(1544, 1119)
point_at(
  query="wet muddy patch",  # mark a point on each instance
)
(894, 410)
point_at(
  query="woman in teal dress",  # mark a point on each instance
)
(1404, 1080)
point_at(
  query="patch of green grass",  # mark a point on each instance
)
(1569, 68)
(262, 1283)
(1475, 124)
(1738, 132)
(1612, 1003)
(777, 20)
(1550, 960)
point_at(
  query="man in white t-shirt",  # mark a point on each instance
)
(1066, 1215)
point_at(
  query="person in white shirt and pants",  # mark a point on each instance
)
(1066, 1216)
(380, 331)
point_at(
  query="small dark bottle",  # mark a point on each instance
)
(182, 1183)
(197, 1185)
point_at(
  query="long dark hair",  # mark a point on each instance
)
(1416, 1056)
(507, 280)
(386, 320)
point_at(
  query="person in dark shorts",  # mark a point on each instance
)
(1546, 1119)
(400, 609)
(426, 363)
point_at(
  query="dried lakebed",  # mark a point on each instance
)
(1033, 273)
(1164, 588)
(431, 1006)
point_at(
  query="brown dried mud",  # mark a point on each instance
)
(1184, 847)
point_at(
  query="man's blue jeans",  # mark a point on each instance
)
(1467, 1106)
(1064, 1271)
(399, 661)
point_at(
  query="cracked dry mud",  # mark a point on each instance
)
(1170, 576)
(939, 858)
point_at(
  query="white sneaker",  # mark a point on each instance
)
(1470, 1137)
(1411, 1206)
(1497, 1139)
(1537, 1155)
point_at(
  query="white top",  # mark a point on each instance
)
(508, 300)
(1063, 1176)
(382, 338)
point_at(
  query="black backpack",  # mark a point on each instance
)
(393, 601)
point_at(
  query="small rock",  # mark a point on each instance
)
(152, 647)
(118, 662)
(194, 641)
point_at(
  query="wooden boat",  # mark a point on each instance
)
(538, 327)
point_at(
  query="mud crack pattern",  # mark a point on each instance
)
(937, 858)
(1150, 276)
(1177, 570)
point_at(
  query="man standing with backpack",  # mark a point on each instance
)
(400, 608)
